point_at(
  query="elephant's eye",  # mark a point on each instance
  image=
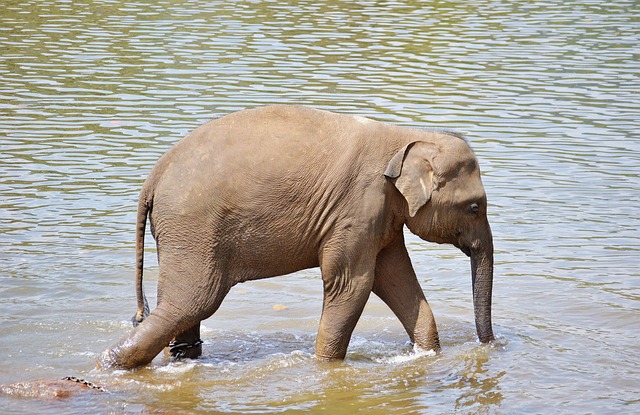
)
(474, 208)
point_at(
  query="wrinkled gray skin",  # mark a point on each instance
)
(269, 191)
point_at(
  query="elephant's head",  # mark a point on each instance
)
(446, 203)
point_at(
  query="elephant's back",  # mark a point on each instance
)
(263, 145)
(280, 163)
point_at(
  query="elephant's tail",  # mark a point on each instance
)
(144, 206)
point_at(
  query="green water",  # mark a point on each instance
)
(93, 92)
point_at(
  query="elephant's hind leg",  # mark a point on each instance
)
(155, 333)
(187, 344)
(188, 292)
(143, 343)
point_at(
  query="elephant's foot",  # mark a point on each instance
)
(140, 346)
(185, 350)
(187, 344)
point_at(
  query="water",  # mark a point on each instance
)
(93, 92)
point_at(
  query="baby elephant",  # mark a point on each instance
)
(273, 190)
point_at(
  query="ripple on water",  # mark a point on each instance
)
(545, 93)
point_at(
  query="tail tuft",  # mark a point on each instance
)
(141, 314)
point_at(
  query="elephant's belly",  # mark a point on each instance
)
(266, 262)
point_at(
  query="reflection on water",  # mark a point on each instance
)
(478, 389)
(93, 92)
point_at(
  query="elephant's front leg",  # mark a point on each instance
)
(346, 291)
(397, 285)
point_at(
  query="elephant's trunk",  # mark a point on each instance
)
(482, 281)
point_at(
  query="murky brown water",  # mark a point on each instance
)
(93, 92)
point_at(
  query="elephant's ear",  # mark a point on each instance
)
(411, 171)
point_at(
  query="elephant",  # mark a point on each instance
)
(268, 191)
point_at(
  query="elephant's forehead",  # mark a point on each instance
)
(464, 186)
(454, 164)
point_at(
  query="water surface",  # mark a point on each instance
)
(93, 92)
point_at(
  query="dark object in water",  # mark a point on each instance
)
(50, 389)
